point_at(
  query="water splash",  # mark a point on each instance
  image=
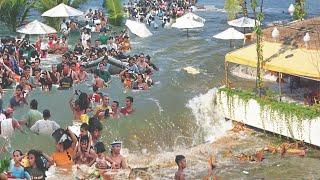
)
(156, 101)
(211, 124)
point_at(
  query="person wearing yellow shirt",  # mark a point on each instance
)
(103, 110)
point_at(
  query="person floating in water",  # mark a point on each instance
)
(181, 163)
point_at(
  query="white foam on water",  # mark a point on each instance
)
(207, 117)
(156, 101)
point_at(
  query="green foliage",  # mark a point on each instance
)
(288, 109)
(259, 17)
(114, 8)
(4, 165)
(44, 5)
(14, 12)
(299, 11)
(232, 7)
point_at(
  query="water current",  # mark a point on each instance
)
(176, 116)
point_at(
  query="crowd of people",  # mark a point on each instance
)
(21, 68)
(154, 12)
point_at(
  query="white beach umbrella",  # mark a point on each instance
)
(138, 28)
(229, 34)
(243, 22)
(62, 10)
(36, 27)
(189, 21)
(193, 16)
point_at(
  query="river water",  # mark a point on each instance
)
(177, 114)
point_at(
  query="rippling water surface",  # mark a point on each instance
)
(177, 112)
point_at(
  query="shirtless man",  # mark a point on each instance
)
(97, 81)
(182, 163)
(116, 157)
(82, 74)
(84, 155)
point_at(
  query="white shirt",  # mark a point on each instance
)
(6, 128)
(45, 127)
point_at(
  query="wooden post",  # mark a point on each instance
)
(280, 89)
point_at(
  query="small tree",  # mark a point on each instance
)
(14, 12)
(114, 8)
(232, 7)
(259, 48)
(299, 12)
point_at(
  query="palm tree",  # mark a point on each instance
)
(114, 8)
(44, 5)
(14, 12)
(243, 4)
(232, 7)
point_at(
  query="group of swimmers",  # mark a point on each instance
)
(34, 164)
(163, 10)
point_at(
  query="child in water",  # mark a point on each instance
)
(84, 131)
(16, 169)
(182, 163)
(102, 161)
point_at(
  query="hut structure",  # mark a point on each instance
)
(294, 53)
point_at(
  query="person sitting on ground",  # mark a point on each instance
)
(38, 165)
(65, 149)
(116, 157)
(128, 109)
(16, 169)
(45, 126)
(84, 155)
(18, 98)
(181, 163)
(8, 125)
(33, 114)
